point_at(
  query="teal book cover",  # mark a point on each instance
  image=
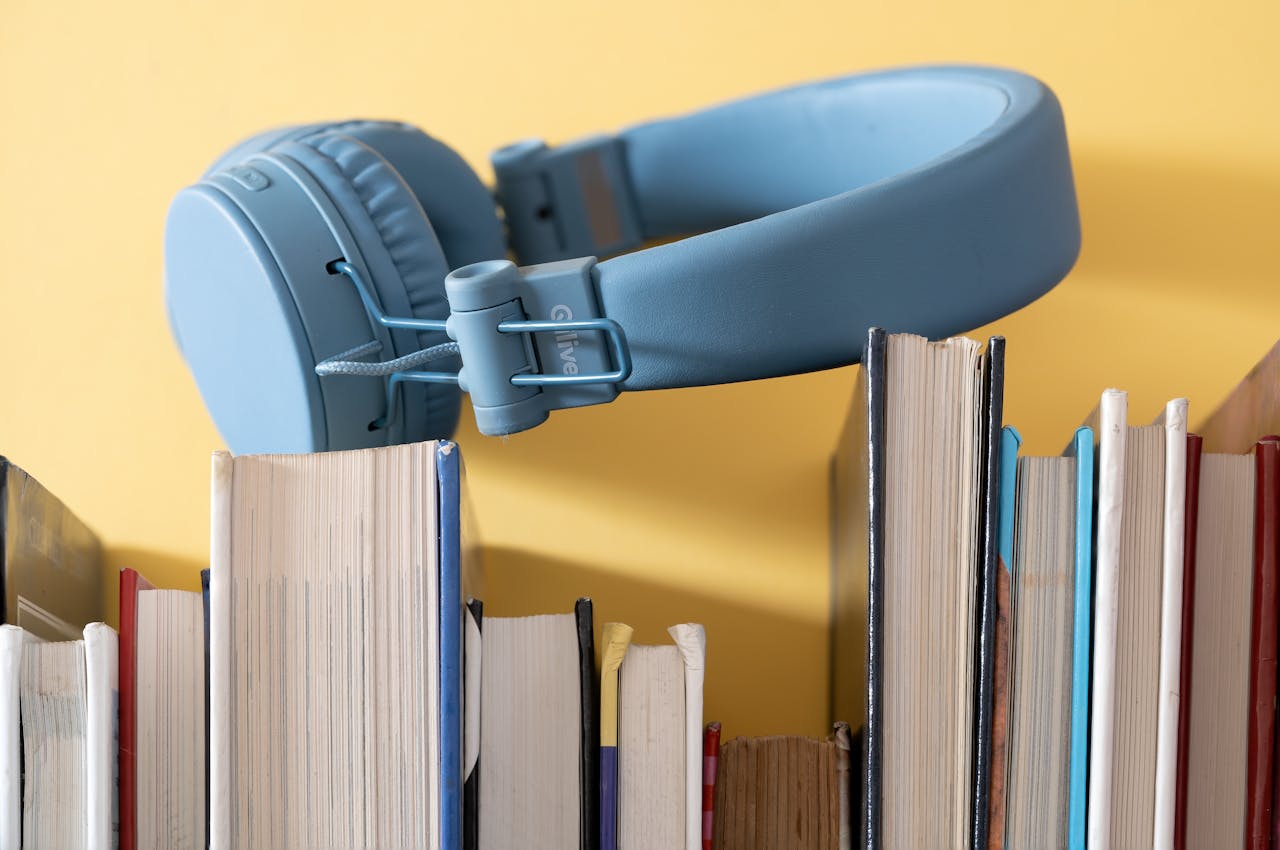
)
(1081, 449)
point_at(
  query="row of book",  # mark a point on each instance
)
(1074, 651)
(1071, 651)
(328, 688)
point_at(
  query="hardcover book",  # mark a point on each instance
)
(330, 654)
(536, 789)
(784, 792)
(51, 572)
(914, 527)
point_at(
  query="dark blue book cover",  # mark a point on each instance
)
(449, 474)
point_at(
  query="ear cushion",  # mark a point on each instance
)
(461, 209)
(389, 225)
(459, 206)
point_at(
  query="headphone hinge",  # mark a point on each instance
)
(532, 340)
(571, 201)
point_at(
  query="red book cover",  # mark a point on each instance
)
(1262, 646)
(1194, 445)
(130, 584)
(710, 759)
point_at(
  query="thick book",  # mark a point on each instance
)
(784, 792)
(535, 791)
(69, 744)
(1262, 646)
(51, 574)
(1217, 699)
(654, 792)
(1131, 642)
(162, 716)
(914, 564)
(326, 673)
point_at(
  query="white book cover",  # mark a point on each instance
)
(11, 640)
(1110, 426)
(101, 739)
(691, 640)
(1174, 421)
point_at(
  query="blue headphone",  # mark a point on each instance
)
(308, 272)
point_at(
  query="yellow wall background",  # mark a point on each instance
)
(704, 504)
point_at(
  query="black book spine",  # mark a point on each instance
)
(985, 638)
(471, 783)
(590, 746)
(873, 361)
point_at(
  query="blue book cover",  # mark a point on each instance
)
(1081, 449)
(449, 475)
(1010, 444)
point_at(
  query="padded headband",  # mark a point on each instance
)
(931, 200)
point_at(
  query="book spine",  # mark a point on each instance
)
(616, 638)
(589, 753)
(691, 640)
(710, 760)
(101, 741)
(873, 363)
(1082, 449)
(450, 559)
(1192, 513)
(131, 583)
(1168, 708)
(1113, 412)
(1262, 647)
(220, 639)
(988, 580)
(472, 655)
(11, 641)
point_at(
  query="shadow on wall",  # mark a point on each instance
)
(754, 685)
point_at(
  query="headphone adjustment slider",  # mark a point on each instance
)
(570, 201)
(532, 340)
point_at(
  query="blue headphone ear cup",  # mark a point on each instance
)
(459, 206)
(397, 240)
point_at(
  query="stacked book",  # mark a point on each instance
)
(1070, 651)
